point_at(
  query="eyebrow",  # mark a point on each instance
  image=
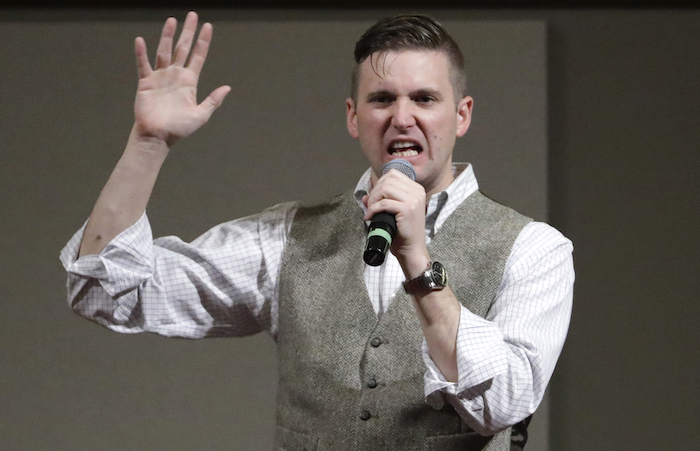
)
(380, 93)
(426, 92)
(417, 93)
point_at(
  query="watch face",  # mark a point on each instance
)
(439, 274)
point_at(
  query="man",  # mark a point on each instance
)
(365, 363)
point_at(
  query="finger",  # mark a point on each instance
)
(395, 188)
(201, 48)
(142, 64)
(165, 46)
(397, 202)
(184, 43)
(384, 205)
(213, 101)
(393, 174)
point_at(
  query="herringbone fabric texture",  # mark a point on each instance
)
(351, 381)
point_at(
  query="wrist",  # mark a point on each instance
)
(148, 136)
(434, 278)
(147, 146)
(414, 264)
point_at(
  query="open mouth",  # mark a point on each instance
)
(404, 149)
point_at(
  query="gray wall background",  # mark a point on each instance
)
(66, 111)
(623, 156)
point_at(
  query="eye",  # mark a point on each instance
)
(425, 100)
(382, 99)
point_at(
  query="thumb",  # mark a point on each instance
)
(365, 198)
(214, 100)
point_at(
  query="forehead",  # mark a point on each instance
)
(408, 69)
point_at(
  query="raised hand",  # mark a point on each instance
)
(166, 106)
(166, 110)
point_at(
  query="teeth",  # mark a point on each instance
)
(404, 149)
(403, 144)
(406, 153)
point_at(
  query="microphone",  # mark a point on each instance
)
(382, 228)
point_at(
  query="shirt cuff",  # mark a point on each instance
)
(122, 265)
(480, 357)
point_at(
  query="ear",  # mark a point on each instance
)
(464, 115)
(351, 113)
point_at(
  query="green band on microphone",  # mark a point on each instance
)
(380, 232)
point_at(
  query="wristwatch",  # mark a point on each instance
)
(433, 279)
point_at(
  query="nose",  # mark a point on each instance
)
(402, 117)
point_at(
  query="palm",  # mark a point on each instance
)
(166, 104)
(166, 100)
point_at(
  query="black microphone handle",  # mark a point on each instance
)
(381, 233)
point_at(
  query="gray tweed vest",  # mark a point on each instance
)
(351, 381)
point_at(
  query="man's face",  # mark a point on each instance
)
(406, 109)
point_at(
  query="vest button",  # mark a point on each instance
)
(376, 341)
(372, 383)
(365, 415)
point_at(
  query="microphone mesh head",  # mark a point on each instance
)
(402, 166)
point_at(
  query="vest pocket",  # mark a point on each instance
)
(288, 440)
(456, 442)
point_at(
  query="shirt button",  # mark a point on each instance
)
(372, 383)
(365, 415)
(376, 341)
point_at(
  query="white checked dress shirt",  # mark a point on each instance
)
(224, 283)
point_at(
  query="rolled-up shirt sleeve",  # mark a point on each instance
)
(505, 361)
(221, 284)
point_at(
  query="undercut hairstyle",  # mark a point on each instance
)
(410, 32)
